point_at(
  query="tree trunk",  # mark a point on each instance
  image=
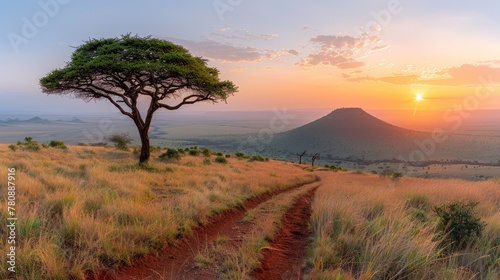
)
(144, 157)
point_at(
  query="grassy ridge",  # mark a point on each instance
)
(365, 227)
(85, 207)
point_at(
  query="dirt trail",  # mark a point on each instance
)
(176, 262)
(285, 256)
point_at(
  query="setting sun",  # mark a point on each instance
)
(419, 97)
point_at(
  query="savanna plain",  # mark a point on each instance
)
(84, 212)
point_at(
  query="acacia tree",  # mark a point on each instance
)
(301, 155)
(122, 70)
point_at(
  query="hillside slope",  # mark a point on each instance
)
(348, 132)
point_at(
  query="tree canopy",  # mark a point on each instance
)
(120, 70)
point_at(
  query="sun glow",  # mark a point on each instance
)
(419, 97)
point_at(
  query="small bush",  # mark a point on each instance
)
(194, 151)
(30, 144)
(57, 144)
(220, 159)
(121, 141)
(206, 161)
(239, 154)
(391, 174)
(219, 154)
(458, 224)
(228, 156)
(396, 175)
(206, 152)
(335, 167)
(171, 154)
(13, 147)
(258, 158)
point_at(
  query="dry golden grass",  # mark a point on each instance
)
(366, 227)
(85, 207)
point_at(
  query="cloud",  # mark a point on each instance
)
(342, 51)
(219, 51)
(226, 52)
(243, 35)
(466, 74)
(379, 48)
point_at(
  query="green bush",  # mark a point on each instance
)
(194, 151)
(206, 152)
(219, 154)
(206, 161)
(170, 154)
(458, 224)
(220, 159)
(396, 175)
(57, 144)
(258, 158)
(335, 167)
(239, 154)
(121, 141)
(392, 174)
(228, 156)
(13, 147)
(30, 144)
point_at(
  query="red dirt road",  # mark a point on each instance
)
(285, 256)
(176, 262)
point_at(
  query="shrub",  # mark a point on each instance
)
(396, 175)
(239, 154)
(335, 167)
(57, 144)
(30, 144)
(13, 147)
(207, 161)
(258, 158)
(194, 151)
(392, 174)
(228, 156)
(458, 224)
(219, 154)
(206, 152)
(220, 159)
(121, 141)
(170, 154)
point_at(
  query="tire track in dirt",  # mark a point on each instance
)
(176, 261)
(285, 256)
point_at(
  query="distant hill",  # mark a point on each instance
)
(76, 120)
(347, 132)
(34, 120)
